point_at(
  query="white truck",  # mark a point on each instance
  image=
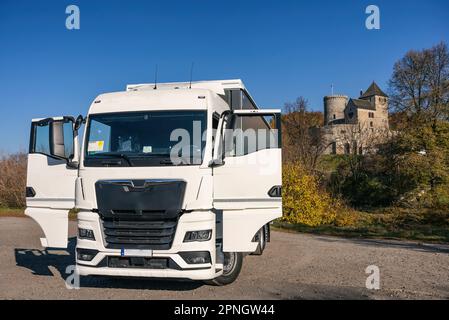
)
(148, 205)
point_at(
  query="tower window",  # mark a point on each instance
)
(371, 114)
(371, 124)
(333, 116)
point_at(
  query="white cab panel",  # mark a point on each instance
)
(53, 186)
(54, 223)
(52, 181)
(241, 188)
(240, 226)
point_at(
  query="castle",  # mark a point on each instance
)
(350, 125)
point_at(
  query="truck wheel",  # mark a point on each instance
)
(232, 265)
(261, 242)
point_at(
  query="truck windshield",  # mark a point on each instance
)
(153, 138)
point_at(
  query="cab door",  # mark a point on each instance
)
(247, 173)
(51, 174)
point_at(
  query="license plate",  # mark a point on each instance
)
(136, 253)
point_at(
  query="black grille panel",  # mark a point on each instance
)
(156, 235)
(140, 214)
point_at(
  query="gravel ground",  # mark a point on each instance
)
(294, 266)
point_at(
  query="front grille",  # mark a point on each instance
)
(138, 233)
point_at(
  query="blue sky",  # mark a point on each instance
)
(281, 50)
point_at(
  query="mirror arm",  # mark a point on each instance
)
(215, 160)
(215, 163)
(72, 164)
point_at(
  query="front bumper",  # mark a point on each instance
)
(203, 274)
(197, 220)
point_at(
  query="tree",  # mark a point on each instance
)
(419, 85)
(303, 140)
(360, 175)
(419, 89)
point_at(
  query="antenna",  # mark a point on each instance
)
(332, 89)
(191, 73)
(155, 79)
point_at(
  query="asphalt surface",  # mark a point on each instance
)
(294, 266)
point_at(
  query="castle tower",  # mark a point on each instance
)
(334, 108)
(379, 101)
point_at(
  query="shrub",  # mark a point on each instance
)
(303, 201)
(347, 217)
(13, 180)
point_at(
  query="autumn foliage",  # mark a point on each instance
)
(13, 180)
(303, 201)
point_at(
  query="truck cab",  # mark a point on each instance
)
(175, 180)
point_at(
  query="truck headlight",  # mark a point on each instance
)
(86, 234)
(201, 235)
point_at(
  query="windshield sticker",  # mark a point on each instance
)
(95, 146)
(147, 149)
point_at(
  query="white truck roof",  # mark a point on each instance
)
(166, 96)
(217, 86)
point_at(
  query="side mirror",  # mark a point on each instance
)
(57, 147)
(78, 122)
(62, 139)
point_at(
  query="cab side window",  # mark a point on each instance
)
(248, 134)
(41, 137)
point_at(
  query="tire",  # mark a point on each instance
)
(231, 269)
(262, 243)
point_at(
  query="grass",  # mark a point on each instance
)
(11, 212)
(391, 223)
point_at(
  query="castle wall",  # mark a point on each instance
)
(352, 128)
(376, 119)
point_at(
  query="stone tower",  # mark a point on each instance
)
(334, 108)
(379, 101)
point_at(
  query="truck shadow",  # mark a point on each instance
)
(390, 243)
(41, 263)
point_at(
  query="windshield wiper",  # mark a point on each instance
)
(117, 155)
(181, 163)
(166, 161)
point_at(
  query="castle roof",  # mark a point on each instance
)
(362, 104)
(373, 90)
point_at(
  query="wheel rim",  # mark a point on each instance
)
(229, 262)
